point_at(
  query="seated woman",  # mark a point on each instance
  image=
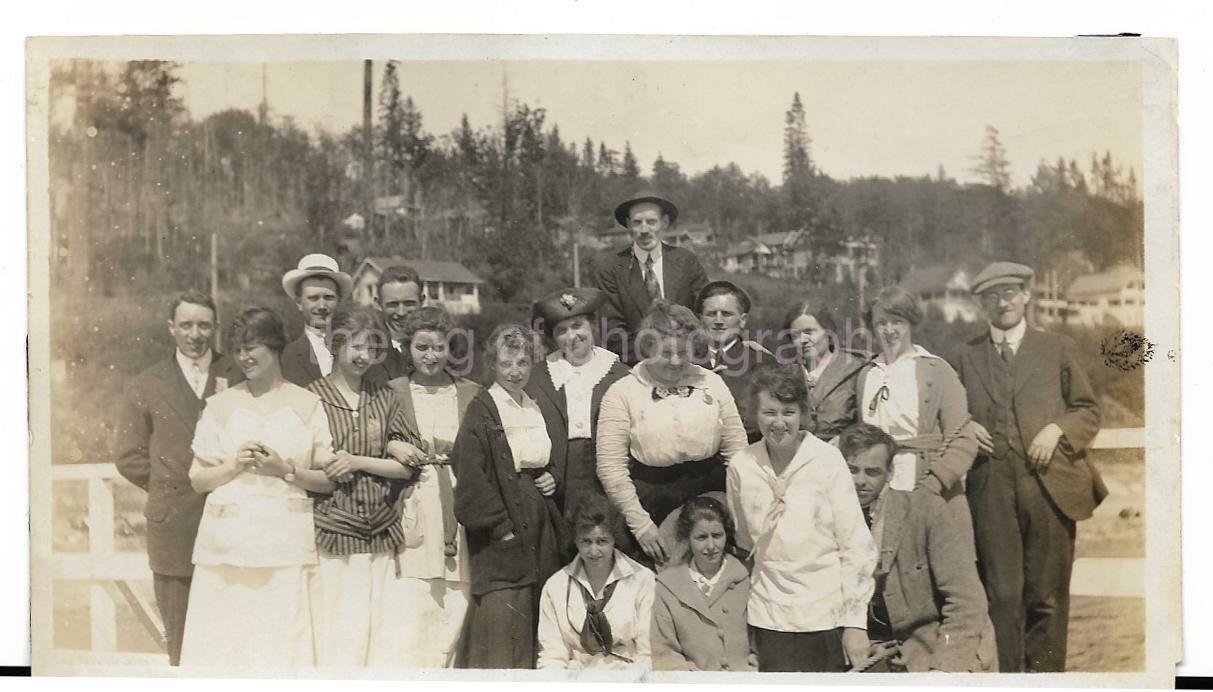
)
(796, 513)
(917, 398)
(503, 497)
(596, 612)
(938, 616)
(699, 613)
(569, 385)
(665, 431)
(829, 369)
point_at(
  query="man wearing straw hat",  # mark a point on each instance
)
(317, 285)
(645, 271)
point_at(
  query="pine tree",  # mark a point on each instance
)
(799, 206)
(631, 169)
(992, 167)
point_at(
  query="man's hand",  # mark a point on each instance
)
(1040, 452)
(984, 441)
(652, 545)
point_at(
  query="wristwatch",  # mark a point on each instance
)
(289, 476)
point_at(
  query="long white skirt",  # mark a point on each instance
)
(249, 617)
(427, 615)
(352, 620)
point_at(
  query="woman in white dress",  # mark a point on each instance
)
(430, 597)
(259, 448)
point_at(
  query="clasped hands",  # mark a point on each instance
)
(343, 466)
(261, 460)
(1040, 452)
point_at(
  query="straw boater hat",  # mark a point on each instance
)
(317, 264)
(667, 207)
(563, 304)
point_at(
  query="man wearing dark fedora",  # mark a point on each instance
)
(1034, 414)
(646, 270)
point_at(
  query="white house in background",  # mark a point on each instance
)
(1115, 296)
(945, 287)
(449, 284)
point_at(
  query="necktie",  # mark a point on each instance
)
(650, 280)
(596, 637)
(1004, 350)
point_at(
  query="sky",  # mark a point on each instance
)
(864, 118)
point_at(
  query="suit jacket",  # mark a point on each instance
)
(735, 365)
(154, 438)
(299, 364)
(936, 602)
(554, 406)
(621, 277)
(1050, 387)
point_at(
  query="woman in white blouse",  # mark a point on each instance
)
(597, 611)
(917, 398)
(259, 448)
(569, 385)
(504, 499)
(794, 502)
(432, 591)
(666, 431)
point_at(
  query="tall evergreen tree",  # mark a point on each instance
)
(991, 166)
(631, 169)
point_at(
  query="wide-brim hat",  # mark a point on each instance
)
(744, 297)
(1002, 274)
(563, 304)
(317, 264)
(667, 207)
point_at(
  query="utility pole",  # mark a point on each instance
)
(368, 163)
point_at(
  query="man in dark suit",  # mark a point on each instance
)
(645, 271)
(1035, 415)
(317, 285)
(400, 293)
(724, 307)
(154, 436)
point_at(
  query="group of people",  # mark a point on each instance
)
(639, 486)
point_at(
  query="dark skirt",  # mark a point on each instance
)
(580, 476)
(799, 652)
(662, 490)
(501, 626)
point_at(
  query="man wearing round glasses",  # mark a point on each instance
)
(1034, 414)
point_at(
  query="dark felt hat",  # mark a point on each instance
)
(565, 303)
(667, 207)
(743, 298)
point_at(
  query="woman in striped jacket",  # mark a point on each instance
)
(358, 530)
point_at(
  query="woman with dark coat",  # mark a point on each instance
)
(829, 369)
(568, 386)
(504, 497)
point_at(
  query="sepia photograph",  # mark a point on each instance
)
(643, 359)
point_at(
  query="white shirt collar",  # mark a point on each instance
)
(714, 349)
(642, 255)
(915, 352)
(700, 580)
(203, 362)
(822, 364)
(623, 568)
(503, 398)
(1012, 336)
(593, 370)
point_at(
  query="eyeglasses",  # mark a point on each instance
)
(1008, 294)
